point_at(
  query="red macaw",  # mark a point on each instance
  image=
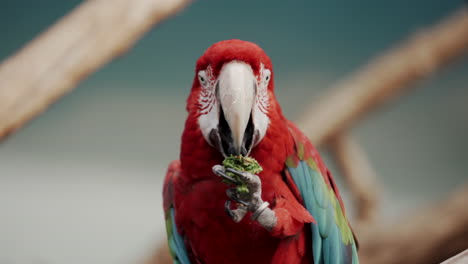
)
(294, 210)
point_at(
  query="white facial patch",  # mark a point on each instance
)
(209, 108)
(260, 107)
(209, 105)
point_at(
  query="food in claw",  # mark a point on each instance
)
(241, 163)
(293, 212)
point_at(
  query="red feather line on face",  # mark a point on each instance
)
(262, 98)
(198, 196)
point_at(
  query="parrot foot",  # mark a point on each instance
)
(236, 214)
(260, 210)
(250, 201)
(252, 180)
(234, 195)
(219, 170)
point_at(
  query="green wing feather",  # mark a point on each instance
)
(174, 239)
(332, 238)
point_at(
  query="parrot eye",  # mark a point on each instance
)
(266, 74)
(202, 77)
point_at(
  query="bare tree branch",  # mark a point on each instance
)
(429, 235)
(97, 31)
(458, 259)
(80, 43)
(386, 77)
(359, 176)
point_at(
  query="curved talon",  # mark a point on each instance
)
(219, 170)
(237, 214)
(234, 195)
(246, 202)
(251, 179)
(227, 208)
(242, 174)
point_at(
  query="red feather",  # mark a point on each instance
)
(199, 195)
(309, 149)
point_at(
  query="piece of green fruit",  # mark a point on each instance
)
(241, 163)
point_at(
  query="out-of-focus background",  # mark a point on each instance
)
(82, 183)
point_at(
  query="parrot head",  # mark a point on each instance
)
(232, 96)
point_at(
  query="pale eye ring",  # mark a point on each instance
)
(266, 73)
(202, 77)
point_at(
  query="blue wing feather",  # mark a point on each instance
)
(176, 243)
(174, 239)
(329, 243)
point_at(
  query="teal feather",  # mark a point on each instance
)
(317, 243)
(176, 242)
(330, 239)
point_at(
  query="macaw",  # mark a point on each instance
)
(292, 212)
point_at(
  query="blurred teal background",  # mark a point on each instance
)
(82, 183)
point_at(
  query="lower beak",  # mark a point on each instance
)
(236, 94)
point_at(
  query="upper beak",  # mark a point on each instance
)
(236, 94)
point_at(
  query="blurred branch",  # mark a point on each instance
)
(430, 235)
(79, 44)
(386, 77)
(458, 259)
(161, 256)
(359, 176)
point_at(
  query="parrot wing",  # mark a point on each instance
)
(333, 240)
(174, 239)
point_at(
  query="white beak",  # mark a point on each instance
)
(236, 95)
